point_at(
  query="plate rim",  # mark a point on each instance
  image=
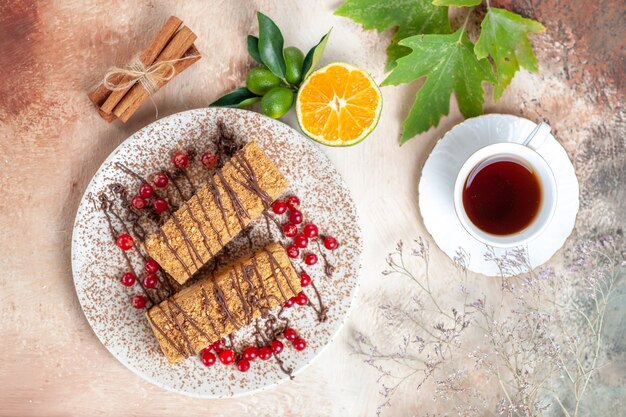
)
(340, 323)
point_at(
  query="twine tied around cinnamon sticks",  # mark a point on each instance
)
(147, 77)
(123, 90)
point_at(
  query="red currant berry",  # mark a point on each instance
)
(293, 202)
(125, 241)
(277, 346)
(290, 302)
(293, 251)
(305, 279)
(299, 343)
(310, 259)
(180, 159)
(290, 230)
(295, 217)
(330, 243)
(227, 356)
(250, 353)
(209, 159)
(301, 241)
(151, 266)
(159, 204)
(160, 180)
(243, 365)
(139, 301)
(310, 230)
(150, 281)
(128, 279)
(290, 334)
(265, 353)
(208, 359)
(146, 190)
(138, 202)
(279, 207)
(218, 346)
(302, 299)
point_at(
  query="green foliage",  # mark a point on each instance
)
(253, 49)
(281, 73)
(408, 17)
(457, 3)
(449, 65)
(314, 55)
(235, 98)
(271, 45)
(423, 47)
(504, 37)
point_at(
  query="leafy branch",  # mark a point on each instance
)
(537, 348)
(424, 46)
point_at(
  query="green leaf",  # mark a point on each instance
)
(253, 48)
(457, 3)
(271, 45)
(449, 64)
(313, 56)
(409, 17)
(235, 98)
(504, 36)
(249, 102)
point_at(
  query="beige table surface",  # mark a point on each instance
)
(52, 142)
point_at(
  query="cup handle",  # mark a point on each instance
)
(538, 136)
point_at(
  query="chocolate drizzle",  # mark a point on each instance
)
(328, 267)
(131, 172)
(245, 170)
(190, 320)
(182, 352)
(106, 207)
(205, 301)
(131, 216)
(227, 143)
(218, 201)
(221, 301)
(165, 239)
(182, 332)
(247, 314)
(191, 248)
(274, 263)
(252, 297)
(322, 310)
(264, 337)
(201, 203)
(238, 208)
(247, 283)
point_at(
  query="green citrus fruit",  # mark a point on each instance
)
(276, 102)
(294, 58)
(261, 80)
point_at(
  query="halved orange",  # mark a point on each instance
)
(338, 105)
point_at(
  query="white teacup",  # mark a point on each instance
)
(526, 154)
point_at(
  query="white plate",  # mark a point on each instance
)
(437, 185)
(97, 263)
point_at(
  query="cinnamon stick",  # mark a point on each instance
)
(99, 95)
(179, 67)
(178, 45)
(147, 57)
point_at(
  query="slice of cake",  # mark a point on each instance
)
(238, 193)
(219, 304)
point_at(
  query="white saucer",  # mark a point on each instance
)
(437, 185)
